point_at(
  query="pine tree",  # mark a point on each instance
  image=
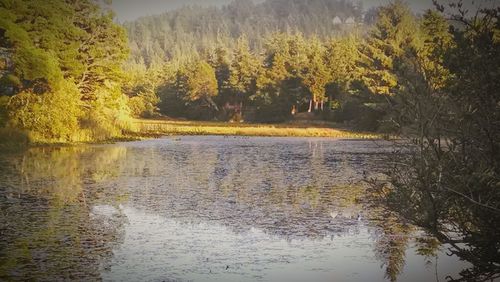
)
(314, 74)
(396, 29)
(199, 84)
(243, 72)
(221, 62)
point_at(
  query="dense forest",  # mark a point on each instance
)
(269, 59)
(266, 62)
(69, 72)
(193, 29)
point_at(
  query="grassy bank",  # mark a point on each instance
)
(167, 127)
(142, 129)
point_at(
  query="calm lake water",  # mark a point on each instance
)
(206, 209)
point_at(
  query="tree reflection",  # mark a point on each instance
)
(391, 244)
(468, 231)
(61, 207)
(48, 229)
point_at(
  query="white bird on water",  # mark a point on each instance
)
(334, 214)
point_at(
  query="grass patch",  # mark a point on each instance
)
(11, 139)
(167, 127)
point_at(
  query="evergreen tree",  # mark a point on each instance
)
(243, 72)
(314, 74)
(102, 48)
(448, 90)
(396, 29)
(177, 33)
(197, 85)
(220, 60)
(342, 56)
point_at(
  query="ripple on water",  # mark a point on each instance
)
(202, 209)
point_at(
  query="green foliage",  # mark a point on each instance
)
(177, 34)
(61, 58)
(243, 72)
(395, 30)
(200, 82)
(33, 64)
(448, 102)
(314, 74)
(281, 82)
(141, 86)
(341, 57)
(192, 90)
(103, 49)
(108, 115)
(436, 41)
(220, 60)
(287, 70)
(50, 117)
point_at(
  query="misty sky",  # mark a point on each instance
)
(131, 9)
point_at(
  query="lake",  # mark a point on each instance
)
(207, 209)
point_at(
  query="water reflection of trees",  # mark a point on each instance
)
(466, 230)
(290, 190)
(287, 191)
(392, 243)
(48, 230)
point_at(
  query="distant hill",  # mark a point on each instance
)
(193, 29)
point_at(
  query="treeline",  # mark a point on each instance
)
(294, 73)
(347, 78)
(66, 73)
(185, 32)
(61, 71)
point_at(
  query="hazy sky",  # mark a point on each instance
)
(132, 9)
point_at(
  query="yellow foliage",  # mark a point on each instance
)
(50, 117)
(108, 117)
(159, 127)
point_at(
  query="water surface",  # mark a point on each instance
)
(206, 209)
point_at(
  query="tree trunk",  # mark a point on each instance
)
(310, 106)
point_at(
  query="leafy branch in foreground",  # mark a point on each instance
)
(448, 99)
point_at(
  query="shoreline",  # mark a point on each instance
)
(145, 129)
(175, 128)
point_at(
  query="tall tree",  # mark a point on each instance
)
(396, 28)
(102, 48)
(449, 184)
(285, 59)
(342, 56)
(243, 72)
(314, 74)
(199, 84)
(220, 60)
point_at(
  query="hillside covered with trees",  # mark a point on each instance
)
(70, 73)
(266, 62)
(192, 30)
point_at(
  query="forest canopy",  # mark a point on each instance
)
(61, 70)
(70, 73)
(268, 62)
